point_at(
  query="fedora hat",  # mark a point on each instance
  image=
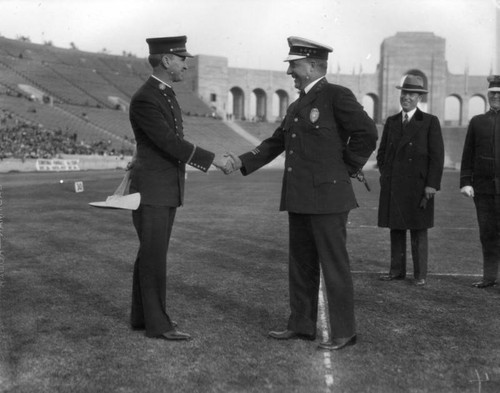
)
(413, 83)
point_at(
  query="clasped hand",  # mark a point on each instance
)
(227, 162)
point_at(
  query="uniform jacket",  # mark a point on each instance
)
(326, 135)
(478, 157)
(159, 169)
(408, 162)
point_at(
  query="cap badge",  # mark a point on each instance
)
(314, 115)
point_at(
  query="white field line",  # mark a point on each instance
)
(445, 228)
(428, 274)
(327, 360)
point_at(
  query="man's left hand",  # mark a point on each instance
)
(429, 192)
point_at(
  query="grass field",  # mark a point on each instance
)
(65, 281)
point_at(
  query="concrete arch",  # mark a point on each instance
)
(453, 110)
(477, 105)
(371, 104)
(258, 105)
(281, 101)
(237, 103)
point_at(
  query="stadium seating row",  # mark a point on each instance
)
(87, 94)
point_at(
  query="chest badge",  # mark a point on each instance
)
(161, 86)
(314, 115)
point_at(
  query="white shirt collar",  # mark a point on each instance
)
(311, 85)
(410, 114)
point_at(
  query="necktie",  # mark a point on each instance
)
(405, 121)
(302, 94)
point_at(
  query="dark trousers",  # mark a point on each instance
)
(319, 241)
(154, 227)
(488, 217)
(419, 252)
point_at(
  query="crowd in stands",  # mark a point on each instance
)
(25, 140)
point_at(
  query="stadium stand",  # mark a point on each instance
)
(24, 139)
(260, 130)
(79, 100)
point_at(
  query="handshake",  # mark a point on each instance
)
(227, 162)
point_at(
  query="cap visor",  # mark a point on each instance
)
(294, 57)
(494, 89)
(126, 202)
(183, 54)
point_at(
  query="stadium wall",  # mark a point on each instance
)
(85, 163)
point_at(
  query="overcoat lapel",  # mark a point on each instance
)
(411, 128)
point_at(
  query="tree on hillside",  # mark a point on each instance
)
(73, 46)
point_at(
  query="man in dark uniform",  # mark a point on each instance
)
(327, 137)
(410, 159)
(480, 179)
(158, 174)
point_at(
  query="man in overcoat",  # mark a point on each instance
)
(410, 159)
(327, 137)
(480, 179)
(158, 174)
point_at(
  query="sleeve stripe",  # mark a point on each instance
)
(192, 154)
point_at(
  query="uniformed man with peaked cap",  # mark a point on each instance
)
(327, 138)
(480, 179)
(158, 174)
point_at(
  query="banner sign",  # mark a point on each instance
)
(57, 165)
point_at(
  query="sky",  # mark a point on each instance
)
(252, 33)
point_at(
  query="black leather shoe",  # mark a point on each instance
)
(390, 277)
(175, 335)
(290, 335)
(337, 343)
(419, 282)
(484, 284)
(142, 327)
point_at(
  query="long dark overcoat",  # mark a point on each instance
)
(408, 162)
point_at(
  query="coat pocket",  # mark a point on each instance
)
(331, 178)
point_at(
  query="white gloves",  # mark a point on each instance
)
(467, 191)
